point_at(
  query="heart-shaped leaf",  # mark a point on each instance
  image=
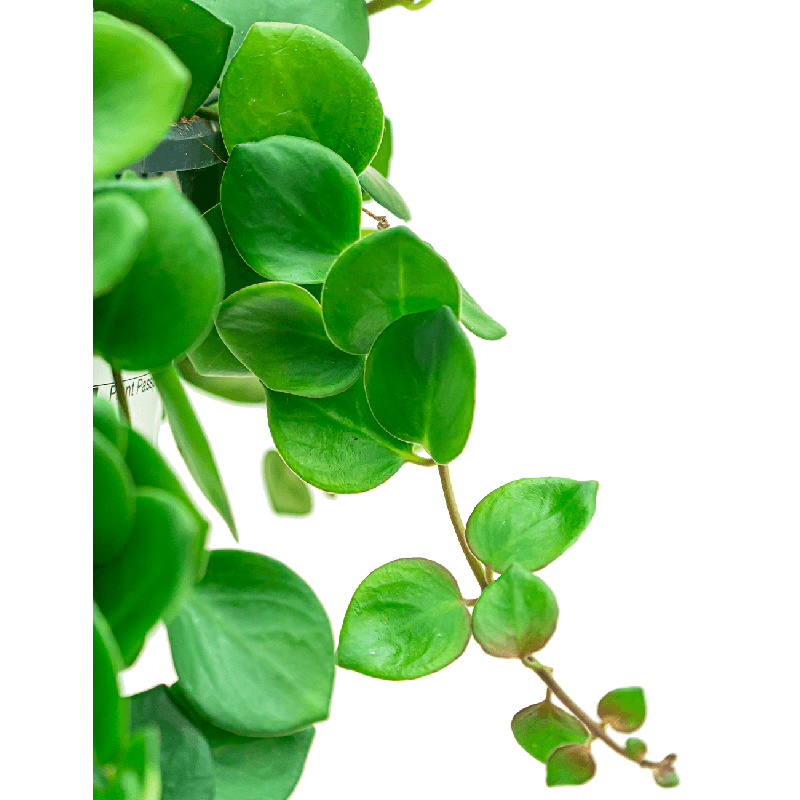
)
(379, 279)
(113, 500)
(245, 390)
(623, 709)
(275, 329)
(383, 193)
(477, 321)
(111, 713)
(318, 91)
(166, 302)
(516, 615)
(139, 88)
(119, 228)
(253, 648)
(287, 493)
(530, 521)
(406, 619)
(290, 206)
(335, 443)
(420, 382)
(542, 727)
(570, 765)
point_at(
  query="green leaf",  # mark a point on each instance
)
(318, 90)
(111, 714)
(383, 158)
(211, 357)
(166, 302)
(379, 279)
(290, 206)
(196, 36)
(667, 779)
(623, 709)
(406, 619)
(113, 500)
(477, 321)
(275, 329)
(530, 521)
(516, 615)
(253, 648)
(242, 390)
(287, 493)
(383, 193)
(542, 727)
(139, 87)
(570, 765)
(119, 228)
(335, 443)
(137, 775)
(420, 381)
(106, 421)
(187, 769)
(147, 580)
(636, 748)
(192, 443)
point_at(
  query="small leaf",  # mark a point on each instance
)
(383, 193)
(636, 748)
(119, 227)
(287, 493)
(623, 709)
(106, 421)
(407, 619)
(477, 321)
(530, 521)
(667, 779)
(275, 329)
(570, 765)
(113, 500)
(540, 728)
(244, 390)
(111, 713)
(516, 615)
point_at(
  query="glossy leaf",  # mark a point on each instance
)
(542, 727)
(287, 493)
(253, 648)
(420, 382)
(636, 748)
(111, 713)
(196, 36)
(530, 521)
(318, 91)
(335, 443)
(106, 421)
(570, 765)
(187, 769)
(515, 615)
(147, 580)
(379, 279)
(477, 321)
(139, 88)
(407, 619)
(192, 443)
(119, 227)
(290, 206)
(244, 390)
(113, 500)
(166, 302)
(623, 709)
(275, 329)
(383, 193)
(211, 357)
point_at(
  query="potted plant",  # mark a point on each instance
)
(257, 283)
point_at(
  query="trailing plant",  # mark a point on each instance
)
(356, 342)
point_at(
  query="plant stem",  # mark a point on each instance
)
(449, 498)
(375, 6)
(122, 398)
(383, 223)
(595, 729)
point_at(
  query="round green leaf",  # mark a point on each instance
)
(636, 748)
(420, 381)
(335, 443)
(147, 579)
(667, 779)
(477, 321)
(318, 90)
(196, 36)
(570, 765)
(406, 619)
(113, 500)
(290, 206)
(542, 727)
(623, 709)
(253, 648)
(379, 279)
(287, 493)
(383, 193)
(246, 389)
(119, 228)
(276, 331)
(106, 421)
(531, 521)
(139, 88)
(111, 714)
(166, 302)
(516, 615)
